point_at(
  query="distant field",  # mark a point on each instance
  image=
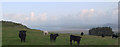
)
(71, 31)
(35, 37)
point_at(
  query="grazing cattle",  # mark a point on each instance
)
(22, 35)
(102, 35)
(45, 32)
(53, 37)
(115, 36)
(82, 33)
(75, 38)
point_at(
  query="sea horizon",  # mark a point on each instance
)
(67, 30)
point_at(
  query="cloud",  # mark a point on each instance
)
(115, 12)
(114, 15)
(32, 17)
(15, 17)
(97, 16)
(32, 14)
(87, 12)
(40, 17)
(85, 16)
(91, 12)
(54, 17)
(43, 16)
(27, 18)
(83, 12)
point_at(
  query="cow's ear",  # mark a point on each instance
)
(24, 31)
(57, 34)
(19, 31)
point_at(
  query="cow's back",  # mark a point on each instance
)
(75, 38)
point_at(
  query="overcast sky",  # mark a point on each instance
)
(47, 14)
(59, 0)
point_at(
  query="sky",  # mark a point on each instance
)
(60, 14)
(59, 0)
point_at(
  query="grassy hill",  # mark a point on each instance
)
(10, 32)
(12, 24)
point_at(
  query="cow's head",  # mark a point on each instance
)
(25, 31)
(57, 34)
(22, 31)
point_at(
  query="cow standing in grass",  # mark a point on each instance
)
(115, 36)
(22, 35)
(82, 33)
(102, 35)
(45, 32)
(75, 38)
(53, 37)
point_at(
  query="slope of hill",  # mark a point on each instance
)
(13, 24)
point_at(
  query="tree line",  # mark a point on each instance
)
(107, 31)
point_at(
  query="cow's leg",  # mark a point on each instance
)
(112, 37)
(74, 41)
(116, 37)
(51, 39)
(21, 39)
(78, 42)
(45, 33)
(70, 42)
(24, 39)
(54, 39)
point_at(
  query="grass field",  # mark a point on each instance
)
(35, 37)
(10, 36)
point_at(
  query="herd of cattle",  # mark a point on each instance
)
(22, 36)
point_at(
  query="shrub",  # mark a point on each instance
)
(107, 31)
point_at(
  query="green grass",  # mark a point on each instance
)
(0, 37)
(10, 36)
(35, 37)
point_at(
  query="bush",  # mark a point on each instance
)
(107, 31)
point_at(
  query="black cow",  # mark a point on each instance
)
(75, 38)
(115, 36)
(102, 35)
(82, 33)
(22, 35)
(53, 37)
